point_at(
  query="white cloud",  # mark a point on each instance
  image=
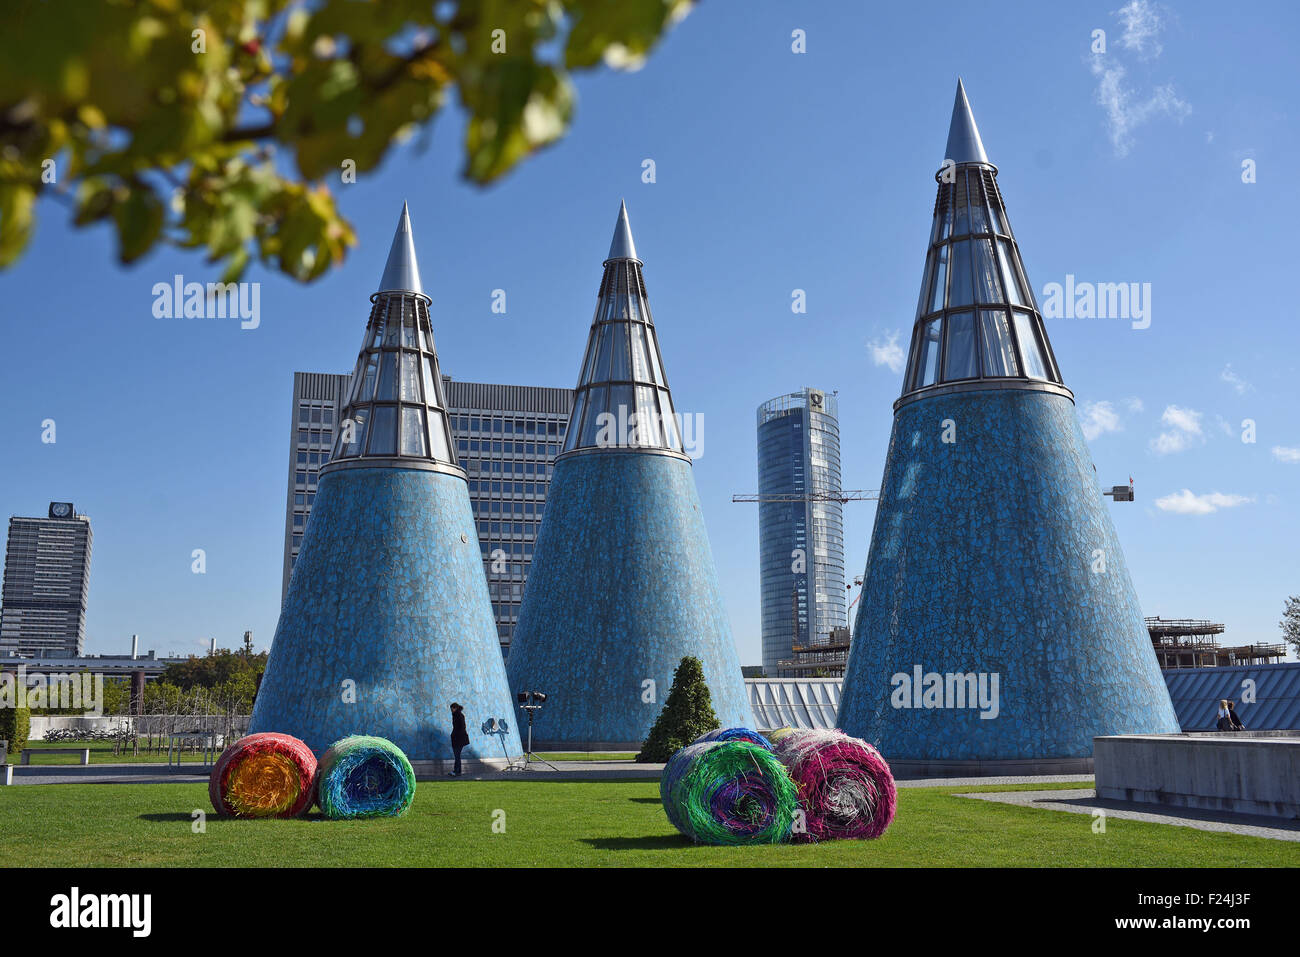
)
(1142, 25)
(1185, 420)
(1184, 431)
(1126, 109)
(1098, 418)
(1234, 380)
(1134, 404)
(1188, 503)
(1286, 455)
(887, 352)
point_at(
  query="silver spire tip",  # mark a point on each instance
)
(621, 246)
(402, 272)
(964, 143)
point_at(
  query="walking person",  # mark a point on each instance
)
(459, 736)
(1225, 721)
(1234, 718)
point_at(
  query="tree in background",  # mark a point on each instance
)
(687, 714)
(15, 726)
(1290, 623)
(219, 126)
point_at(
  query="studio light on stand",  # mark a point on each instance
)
(530, 702)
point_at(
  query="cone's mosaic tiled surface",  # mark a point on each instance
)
(622, 584)
(995, 573)
(387, 619)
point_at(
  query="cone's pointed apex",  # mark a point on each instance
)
(964, 143)
(621, 246)
(402, 272)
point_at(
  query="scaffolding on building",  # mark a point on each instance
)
(820, 659)
(1191, 643)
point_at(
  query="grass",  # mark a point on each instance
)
(606, 823)
(101, 752)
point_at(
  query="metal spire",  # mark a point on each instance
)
(622, 377)
(621, 246)
(396, 413)
(402, 272)
(964, 144)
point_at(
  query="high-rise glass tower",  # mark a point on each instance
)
(46, 580)
(800, 531)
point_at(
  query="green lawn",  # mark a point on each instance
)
(606, 823)
(101, 752)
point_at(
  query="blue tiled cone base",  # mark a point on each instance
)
(386, 594)
(621, 588)
(982, 561)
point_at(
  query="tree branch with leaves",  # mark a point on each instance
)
(219, 127)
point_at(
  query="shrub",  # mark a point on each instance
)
(15, 726)
(687, 714)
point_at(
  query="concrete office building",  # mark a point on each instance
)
(800, 531)
(506, 438)
(46, 582)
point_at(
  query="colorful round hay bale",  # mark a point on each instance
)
(364, 776)
(263, 775)
(778, 734)
(846, 789)
(734, 734)
(729, 792)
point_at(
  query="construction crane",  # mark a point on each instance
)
(842, 496)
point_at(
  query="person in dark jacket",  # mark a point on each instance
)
(1234, 717)
(1224, 722)
(459, 736)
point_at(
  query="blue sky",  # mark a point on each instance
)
(775, 171)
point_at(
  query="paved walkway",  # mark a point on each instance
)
(1085, 801)
(563, 771)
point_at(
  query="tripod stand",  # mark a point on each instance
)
(529, 757)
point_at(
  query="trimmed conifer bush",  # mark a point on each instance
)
(687, 714)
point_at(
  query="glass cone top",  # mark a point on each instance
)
(977, 318)
(622, 399)
(396, 413)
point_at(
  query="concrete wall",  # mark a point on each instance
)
(41, 723)
(1243, 772)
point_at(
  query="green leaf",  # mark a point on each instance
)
(139, 222)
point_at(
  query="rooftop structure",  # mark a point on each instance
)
(997, 620)
(387, 620)
(1191, 643)
(622, 584)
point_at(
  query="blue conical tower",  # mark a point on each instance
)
(994, 572)
(622, 584)
(388, 620)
